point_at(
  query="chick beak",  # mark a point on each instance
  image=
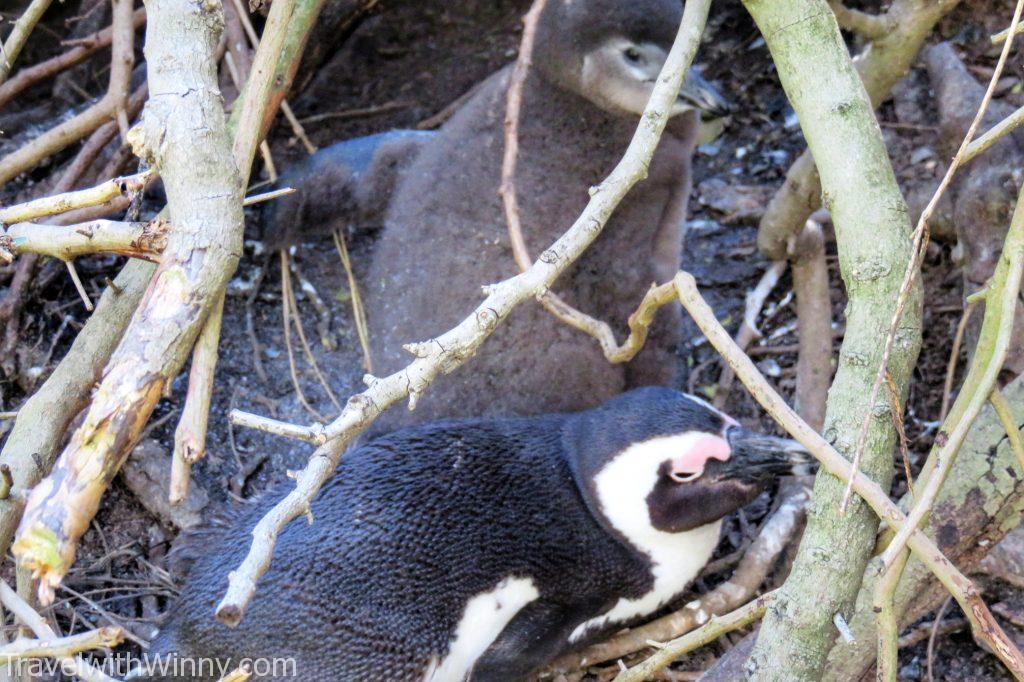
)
(756, 456)
(701, 95)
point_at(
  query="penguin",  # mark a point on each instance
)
(481, 549)
(444, 232)
(348, 183)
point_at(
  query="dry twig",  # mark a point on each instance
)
(18, 36)
(83, 49)
(106, 109)
(983, 624)
(27, 615)
(202, 185)
(920, 242)
(748, 331)
(715, 628)
(553, 303)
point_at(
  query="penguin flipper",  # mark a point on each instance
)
(535, 637)
(348, 183)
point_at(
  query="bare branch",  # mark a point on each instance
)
(311, 434)
(454, 347)
(61, 647)
(870, 26)
(553, 303)
(205, 193)
(136, 240)
(27, 615)
(83, 49)
(881, 65)
(65, 134)
(748, 331)
(715, 628)
(67, 201)
(983, 624)
(18, 36)
(994, 134)
(190, 436)
(911, 273)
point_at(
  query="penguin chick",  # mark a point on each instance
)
(483, 548)
(445, 234)
(347, 183)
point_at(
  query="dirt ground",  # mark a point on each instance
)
(395, 68)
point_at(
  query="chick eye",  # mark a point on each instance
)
(632, 54)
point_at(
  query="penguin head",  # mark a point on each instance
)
(611, 52)
(655, 461)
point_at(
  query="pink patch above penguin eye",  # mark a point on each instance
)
(690, 464)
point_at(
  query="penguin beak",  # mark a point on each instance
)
(697, 93)
(756, 457)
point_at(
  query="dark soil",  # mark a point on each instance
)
(395, 68)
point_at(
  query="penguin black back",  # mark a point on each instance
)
(483, 547)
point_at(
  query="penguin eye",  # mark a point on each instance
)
(685, 478)
(632, 55)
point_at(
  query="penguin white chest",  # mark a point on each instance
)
(622, 488)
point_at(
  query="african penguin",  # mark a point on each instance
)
(483, 548)
(445, 234)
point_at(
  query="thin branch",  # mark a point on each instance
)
(870, 26)
(18, 36)
(27, 615)
(553, 303)
(135, 240)
(204, 191)
(712, 630)
(888, 627)
(1005, 33)
(297, 128)
(83, 49)
(358, 310)
(454, 347)
(79, 287)
(748, 331)
(190, 436)
(920, 242)
(931, 639)
(61, 647)
(814, 320)
(993, 345)
(954, 359)
(67, 201)
(983, 624)
(311, 434)
(1009, 422)
(287, 314)
(267, 196)
(881, 65)
(994, 134)
(115, 100)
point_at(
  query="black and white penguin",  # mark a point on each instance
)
(444, 232)
(483, 548)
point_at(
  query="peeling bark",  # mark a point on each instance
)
(184, 134)
(980, 502)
